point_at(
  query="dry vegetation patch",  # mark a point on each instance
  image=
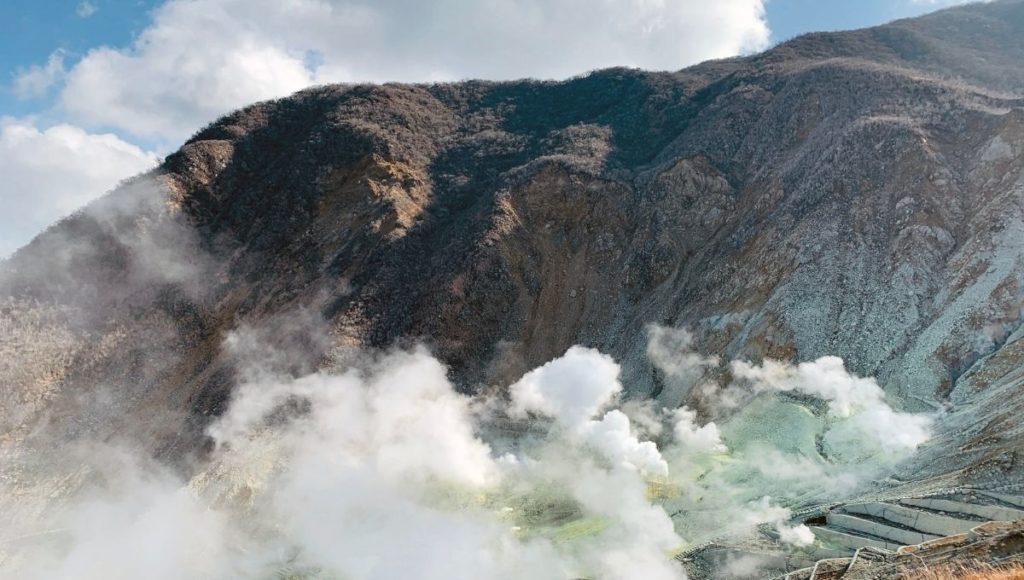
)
(975, 571)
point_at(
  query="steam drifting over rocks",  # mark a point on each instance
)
(337, 471)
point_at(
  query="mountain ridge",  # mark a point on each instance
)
(854, 193)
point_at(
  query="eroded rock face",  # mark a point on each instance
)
(857, 194)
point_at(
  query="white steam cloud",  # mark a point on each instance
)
(572, 389)
(404, 420)
(753, 440)
(695, 437)
(377, 472)
(865, 425)
(380, 470)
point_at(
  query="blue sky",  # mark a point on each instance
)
(93, 91)
(34, 29)
(789, 18)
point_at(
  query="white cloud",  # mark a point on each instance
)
(86, 9)
(36, 80)
(200, 59)
(193, 64)
(52, 172)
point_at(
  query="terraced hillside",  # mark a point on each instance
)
(880, 538)
(913, 535)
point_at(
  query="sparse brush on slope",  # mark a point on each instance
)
(970, 571)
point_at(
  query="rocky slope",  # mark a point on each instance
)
(856, 193)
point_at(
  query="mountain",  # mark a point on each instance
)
(857, 194)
